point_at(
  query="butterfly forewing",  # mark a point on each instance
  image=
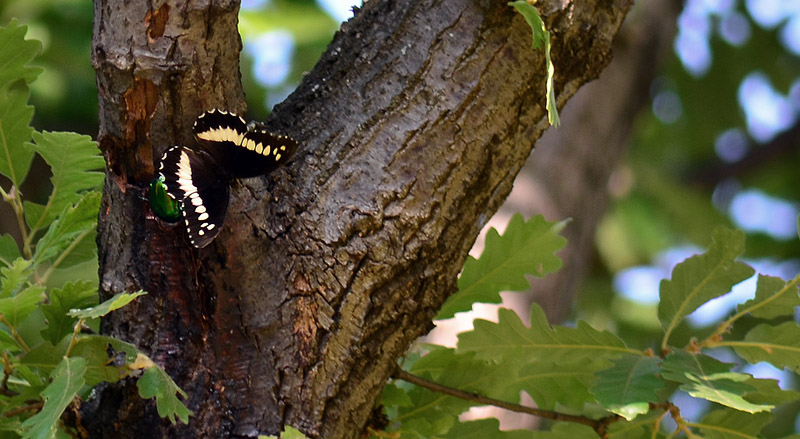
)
(244, 151)
(194, 178)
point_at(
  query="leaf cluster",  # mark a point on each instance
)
(50, 353)
(616, 390)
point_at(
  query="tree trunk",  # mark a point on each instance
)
(412, 128)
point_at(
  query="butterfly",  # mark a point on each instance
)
(194, 184)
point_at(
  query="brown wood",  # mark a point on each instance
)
(412, 127)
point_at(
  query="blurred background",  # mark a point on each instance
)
(694, 124)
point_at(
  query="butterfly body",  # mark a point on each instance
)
(198, 180)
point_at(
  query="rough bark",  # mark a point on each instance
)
(412, 127)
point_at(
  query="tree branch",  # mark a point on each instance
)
(598, 425)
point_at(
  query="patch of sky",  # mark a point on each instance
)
(254, 4)
(767, 112)
(339, 10)
(753, 210)
(641, 283)
(734, 28)
(272, 55)
(785, 378)
(732, 145)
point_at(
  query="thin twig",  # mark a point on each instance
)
(26, 408)
(14, 333)
(599, 425)
(722, 328)
(75, 331)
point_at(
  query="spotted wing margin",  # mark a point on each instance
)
(194, 178)
(260, 153)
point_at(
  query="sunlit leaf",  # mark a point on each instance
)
(565, 382)
(541, 37)
(704, 377)
(768, 392)
(701, 278)
(509, 337)
(778, 345)
(729, 424)
(524, 248)
(118, 301)
(774, 297)
(629, 385)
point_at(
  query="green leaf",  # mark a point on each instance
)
(8, 343)
(395, 396)
(704, 377)
(509, 337)
(288, 433)
(16, 52)
(75, 224)
(565, 383)
(74, 160)
(46, 357)
(156, 383)
(465, 372)
(524, 248)
(701, 278)
(9, 250)
(731, 424)
(768, 392)
(565, 430)
(778, 345)
(774, 298)
(16, 308)
(67, 381)
(629, 385)
(434, 414)
(640, 428)
(14, 277)
(541, 37)
(73, 295)
(114, 303)
(484, 429)
(15, 114)
(106, 358)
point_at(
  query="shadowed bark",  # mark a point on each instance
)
(412, 128)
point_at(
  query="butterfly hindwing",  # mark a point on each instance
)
(245, 151)
(194, 178)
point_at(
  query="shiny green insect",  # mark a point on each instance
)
(164, 206)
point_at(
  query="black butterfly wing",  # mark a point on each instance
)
(261, 152)
(244, 152)
(194, 178)
(220, 126)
